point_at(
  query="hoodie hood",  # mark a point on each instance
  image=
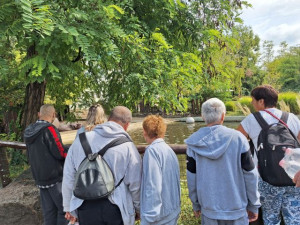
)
(33, 131)
(111, 130)
(210, 142)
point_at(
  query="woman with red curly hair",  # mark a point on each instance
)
(160, 188)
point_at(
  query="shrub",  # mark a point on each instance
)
(291, 99)
(246, 101)
(230, 106)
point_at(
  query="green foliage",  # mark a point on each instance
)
(230, 106)
(246, 101)
(160, 52)
(291, 99)
(17, 158)
(282, 71)
(289, 69)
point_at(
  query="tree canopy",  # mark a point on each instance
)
(163, 53)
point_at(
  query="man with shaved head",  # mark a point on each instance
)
(46, 155)
(123, 205)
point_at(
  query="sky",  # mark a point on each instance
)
(274, 20)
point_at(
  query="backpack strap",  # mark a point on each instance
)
(113, 143)
(85, 144)
(87, 148)
(280, 120)
(263, 124)
(284, 117)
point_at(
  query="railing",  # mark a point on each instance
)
(4, 164)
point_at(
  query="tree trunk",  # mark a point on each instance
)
(142, 107)
(34, 99)
(4, 168)
(34, 96)
(197, 106)
(193, 106)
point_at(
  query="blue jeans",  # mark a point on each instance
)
(279, 200)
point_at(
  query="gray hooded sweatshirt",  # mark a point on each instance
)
(222, 178)
(124, 161)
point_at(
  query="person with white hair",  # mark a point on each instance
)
(222, 178)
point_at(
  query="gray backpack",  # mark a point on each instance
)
(94, 179)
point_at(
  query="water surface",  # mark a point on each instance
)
(177, 132)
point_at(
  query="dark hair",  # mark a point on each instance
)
(267, 93)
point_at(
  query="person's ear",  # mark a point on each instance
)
(261, 102)
(125, 126)
(222, 117)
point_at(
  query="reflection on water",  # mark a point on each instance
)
(176, 132)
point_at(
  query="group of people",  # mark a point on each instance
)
(223, 181)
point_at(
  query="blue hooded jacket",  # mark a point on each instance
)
(222, 178)
(160, 188)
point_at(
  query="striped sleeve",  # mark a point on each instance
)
(57, 144)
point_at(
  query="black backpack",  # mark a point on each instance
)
(271, 140)
(94, 179)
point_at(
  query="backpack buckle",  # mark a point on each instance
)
(93, 156)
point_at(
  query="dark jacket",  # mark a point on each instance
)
(46, 153)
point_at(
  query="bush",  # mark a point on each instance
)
(290, 98)
(246, 101)
(230, 106)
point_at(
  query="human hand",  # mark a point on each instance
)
(68, 216)
(197, 213)
(71, 218)
(296, 179)
(252, 216)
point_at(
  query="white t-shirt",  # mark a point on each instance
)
(252, 127)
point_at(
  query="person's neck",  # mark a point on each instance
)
(150, 140)
(49, 120)
(121, 124)
(214, 124)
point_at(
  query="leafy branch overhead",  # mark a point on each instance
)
(161, 52)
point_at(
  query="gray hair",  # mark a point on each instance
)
(212, 110)
(47, 110)
(121, 114)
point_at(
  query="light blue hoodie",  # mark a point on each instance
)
(160, 189)
(124, 161)
(225, 184)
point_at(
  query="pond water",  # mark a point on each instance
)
(176, 132)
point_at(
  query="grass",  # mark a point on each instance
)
(187, 214)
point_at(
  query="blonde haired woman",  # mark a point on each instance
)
(160, 188)
(95, 116)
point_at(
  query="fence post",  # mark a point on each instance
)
(4, 168)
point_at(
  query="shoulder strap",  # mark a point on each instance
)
(284, 117)
(113, 143)
(263, 124)
(85, 144)
(284, 123)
